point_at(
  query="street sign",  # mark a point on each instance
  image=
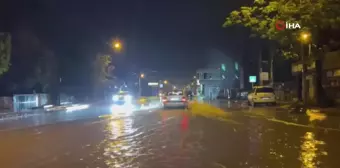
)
(252, 79)
(153, 83)
(264, 76)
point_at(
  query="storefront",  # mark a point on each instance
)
(331, 80)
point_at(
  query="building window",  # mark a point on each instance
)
(223, 67)
(236, 66)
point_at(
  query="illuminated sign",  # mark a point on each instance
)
(252, 79)
(153, 84)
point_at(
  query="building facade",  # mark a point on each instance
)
(220, 76)
(330, 78)
(331, 75)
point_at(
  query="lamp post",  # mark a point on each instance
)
(304, 38)
(141, 76)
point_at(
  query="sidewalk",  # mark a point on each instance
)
(296, 107)
(14, 115)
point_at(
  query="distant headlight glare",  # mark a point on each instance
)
(115, 98)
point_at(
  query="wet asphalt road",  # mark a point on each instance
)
(102, 136)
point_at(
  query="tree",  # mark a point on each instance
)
(5, 52)
(314, 16)
(102, 72)
(101, 67)
(46, 70)
(42, 73)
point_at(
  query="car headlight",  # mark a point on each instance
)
(115, 98)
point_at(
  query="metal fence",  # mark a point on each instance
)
(24, 102)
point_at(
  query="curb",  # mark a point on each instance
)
(15, 115)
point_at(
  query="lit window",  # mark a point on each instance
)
(236, 66)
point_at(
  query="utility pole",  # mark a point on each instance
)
(241, 77)
(140, 77)
(260, 67)
(139, 87)
(304, 69)
(272, 69)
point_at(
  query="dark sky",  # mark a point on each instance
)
(169, 35)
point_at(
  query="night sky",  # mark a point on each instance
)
(169, 36)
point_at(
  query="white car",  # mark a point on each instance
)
(262, 95)
(175, 100)
(122, 98)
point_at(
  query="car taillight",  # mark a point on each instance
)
(184, 99)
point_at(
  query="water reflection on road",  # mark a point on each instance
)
(179, 138)
(311, 149)
(121, 147)
(210, 137)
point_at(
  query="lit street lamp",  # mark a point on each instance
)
(142, 75)
(165, 82)
(305, 37)
(116, 45)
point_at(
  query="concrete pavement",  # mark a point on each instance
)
(227, 134)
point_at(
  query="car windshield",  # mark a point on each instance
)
(175, 93)
(123, 94)
(264, 90)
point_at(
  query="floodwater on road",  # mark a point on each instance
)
(202, 137)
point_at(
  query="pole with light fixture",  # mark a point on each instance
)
(305, 39)
(140, 77)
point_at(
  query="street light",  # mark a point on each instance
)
(165, 82)
(305, 38)
(117, 45)
(142, 75)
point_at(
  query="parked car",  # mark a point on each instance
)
(262, 95)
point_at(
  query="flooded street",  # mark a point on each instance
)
(234, 136)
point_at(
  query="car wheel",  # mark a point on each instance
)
(254, 104)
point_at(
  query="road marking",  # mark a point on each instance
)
(292, 124)
(219, 165)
